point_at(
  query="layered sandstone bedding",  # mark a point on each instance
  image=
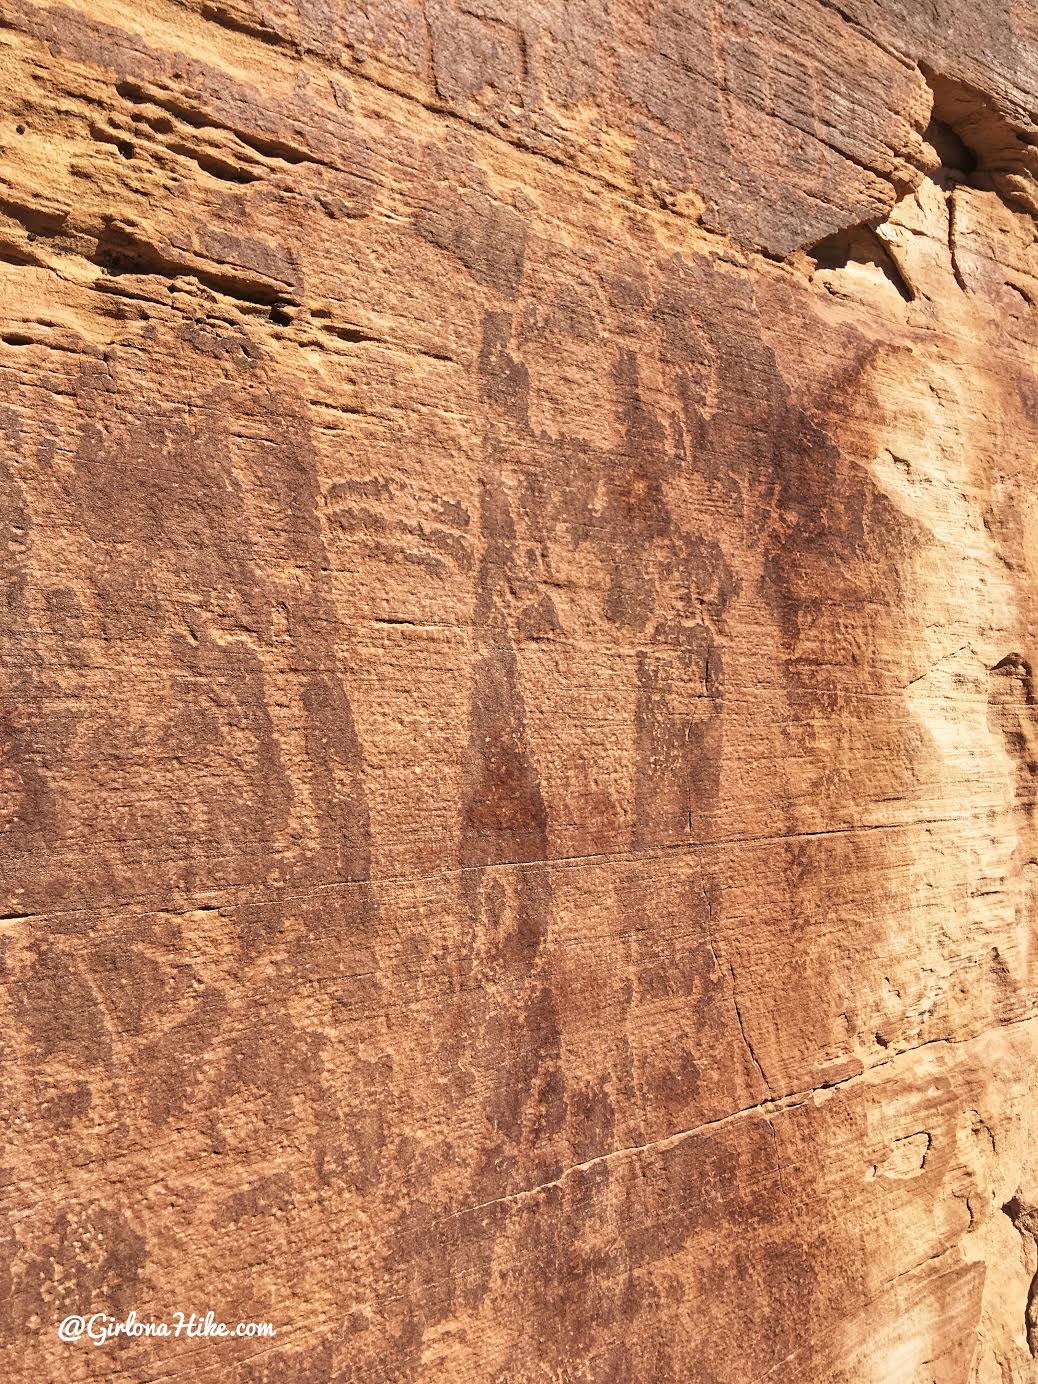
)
(519, 742)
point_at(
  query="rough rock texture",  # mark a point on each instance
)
(519, 737)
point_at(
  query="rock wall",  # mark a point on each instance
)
(518, 738)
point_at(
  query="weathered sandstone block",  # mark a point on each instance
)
(518, 734)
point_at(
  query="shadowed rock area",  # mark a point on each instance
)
(518, 733)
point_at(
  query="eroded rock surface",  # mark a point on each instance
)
(518, 732)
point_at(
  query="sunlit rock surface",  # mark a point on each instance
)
(518, 736)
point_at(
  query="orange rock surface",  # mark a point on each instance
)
(518, 739)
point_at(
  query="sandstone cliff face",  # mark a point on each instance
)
(519, 741)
